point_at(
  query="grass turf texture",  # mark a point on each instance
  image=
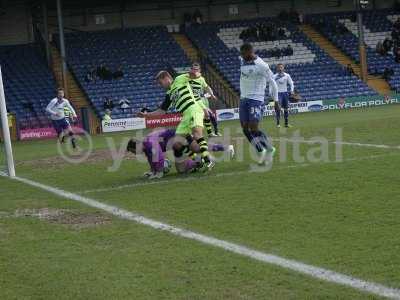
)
(341, 216)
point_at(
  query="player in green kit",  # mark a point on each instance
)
(180, 96)
(200, 90)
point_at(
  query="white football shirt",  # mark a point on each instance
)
(254, 76)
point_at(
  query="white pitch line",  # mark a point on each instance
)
(227, 174)
(303, 141)
(367, 145)
(290, 264)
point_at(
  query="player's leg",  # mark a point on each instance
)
(285, 106)
(207, 123)
(261, 142)
(63, 135)
(68, 131)
(250, 116)
(214, 122)
(244, 119)
(197, 116)
(192, 123)
(278, 113)
(59, 130)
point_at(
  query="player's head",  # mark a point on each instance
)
(60, 93)
(280, 67)
(195, 70)
(131, 147)
(247, 52)
(164, 79)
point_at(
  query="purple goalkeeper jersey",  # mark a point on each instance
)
(155, 146)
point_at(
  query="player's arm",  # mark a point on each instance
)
(208, 90)
(270, 78)
(291, 84)
(161, 110)
(50, 107)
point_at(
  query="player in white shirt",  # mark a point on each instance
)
(56, 109)
(254, 75)
(283, 80)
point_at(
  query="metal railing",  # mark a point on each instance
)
(222, 89)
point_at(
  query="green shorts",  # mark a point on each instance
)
(192, 118)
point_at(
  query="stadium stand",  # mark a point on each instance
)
(378, 25)
(316, 75)
(28, 84)
(141, 52)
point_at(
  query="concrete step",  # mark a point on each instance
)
(374, 82)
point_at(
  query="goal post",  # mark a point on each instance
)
(6, 130)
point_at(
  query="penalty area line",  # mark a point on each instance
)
(354, 144)
(272, 259)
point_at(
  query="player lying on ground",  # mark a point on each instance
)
(254, 74)
(155, 145)
(180, 97)
(56, 109)
(202, 91)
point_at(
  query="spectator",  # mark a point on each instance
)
(107, 115)
(197, 17)
(118, 74)
(294, 16)
(289, 50)
(90, 75)
(387, 73)
(187, 19)
(396, 53)
(281, 33)
(124, 104)
(396, 24)
(350, 70)
(379, 48)
(263, 32)
(301, 18)
(387, 45)
(145, 110)
(395, 34)
(103, 73)
(108, 104)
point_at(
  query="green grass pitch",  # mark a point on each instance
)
(343, 216)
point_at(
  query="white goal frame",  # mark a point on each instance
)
(6, 130)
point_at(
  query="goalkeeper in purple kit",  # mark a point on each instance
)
(155, 145)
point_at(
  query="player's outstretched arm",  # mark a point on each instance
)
(152, 113)
(270, 78)
(161, 110)
(209, 90)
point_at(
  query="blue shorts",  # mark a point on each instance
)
(283, 99)
(60, 125)
(250, 110)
